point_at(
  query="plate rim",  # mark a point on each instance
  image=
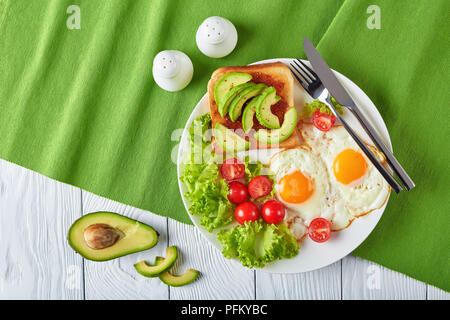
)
(205, 233)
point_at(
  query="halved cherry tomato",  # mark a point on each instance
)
(238, 192)
(319, 230)
(259, 186)
(323, 121)
(232, 169)
(273, 212)
(247, 211)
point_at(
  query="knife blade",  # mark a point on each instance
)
(338, 92)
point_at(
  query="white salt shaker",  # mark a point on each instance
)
(172, 70)
(216, 37)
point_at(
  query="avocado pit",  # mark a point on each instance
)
(100, 236)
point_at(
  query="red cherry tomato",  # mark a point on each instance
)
(319, 230)
(232, 169)
(273, 212)
(238, 192)
(247, 211)
(323, 121)
(259, 186)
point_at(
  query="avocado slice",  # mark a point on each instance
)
(235, 91)
(177, 281)
(102, 236)
(279, 135)
(236, 105)
(263, 112)
(228, 140)
(249, 112)
(152, 271)
(227, 82)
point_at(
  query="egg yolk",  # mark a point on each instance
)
(295, 187)
(349, 166)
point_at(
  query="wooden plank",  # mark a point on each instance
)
(434, 293)
(220, 278)
(36, 212)
(324, 283)
(117, 279)
(362, 279)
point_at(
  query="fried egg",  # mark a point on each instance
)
(328, 176)
(357, 187)
(301, 182)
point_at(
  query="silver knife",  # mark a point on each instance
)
(338, 92)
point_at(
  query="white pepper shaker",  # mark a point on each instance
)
(216, 37)
(172, 70)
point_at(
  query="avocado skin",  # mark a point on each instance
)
(220, 133)
(288, 126)
(263, 112)
(177, 281)
(75, 236)
(153, 271)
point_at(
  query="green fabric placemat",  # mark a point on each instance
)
(80, 106)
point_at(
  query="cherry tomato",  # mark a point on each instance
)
(323, 121)
(259, 186)
(273, 212)
(247, 211)
(232, 169)
(319, 230)
(238, 192)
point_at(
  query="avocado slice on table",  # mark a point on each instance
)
(279, 135)
(263, 112)
(177, 281)
(227, 82)
(228, 140)
(249, 112)
(235, 107)
(229, 97)
(152, 271)
(102, 236)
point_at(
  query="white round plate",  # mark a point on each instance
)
(312, 255)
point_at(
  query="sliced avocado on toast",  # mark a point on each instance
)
(153, 271)
(241, 98)
(228, 140)
(177, 281)
(249, 112)
(102, 236)
(263, 112)
(229, 97)
(279, 135)
(225, 85)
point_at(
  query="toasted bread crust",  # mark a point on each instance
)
(273, 74)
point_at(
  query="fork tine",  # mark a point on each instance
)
(304, 73)
(296, 76)
(301, 73)
(308, 68)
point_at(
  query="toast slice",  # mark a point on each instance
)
(272, 74)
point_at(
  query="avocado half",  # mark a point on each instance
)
(102, 236)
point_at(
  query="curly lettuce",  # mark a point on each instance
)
(206, 190)
(257, 243)
(310, 108)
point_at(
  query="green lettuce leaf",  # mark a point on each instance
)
(206, 190)
(257, 243)
(310, 108)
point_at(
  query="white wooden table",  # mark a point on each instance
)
(36, 261)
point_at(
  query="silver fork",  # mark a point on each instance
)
(313, 85)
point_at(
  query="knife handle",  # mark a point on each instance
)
(392, 161)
